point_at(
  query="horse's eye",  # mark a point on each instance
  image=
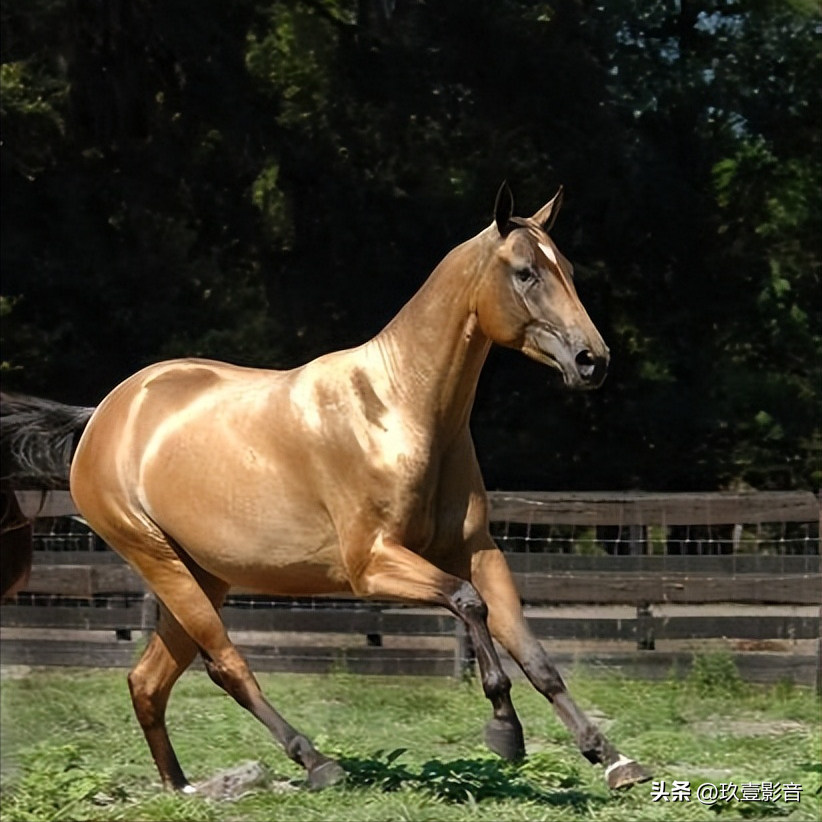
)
(524, 274)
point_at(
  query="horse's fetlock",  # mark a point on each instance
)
(591, 745)
(496, 684)
(297, 748)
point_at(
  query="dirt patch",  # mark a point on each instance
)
(753, 727)
(14, 671)
(714, 774)
(776, 645)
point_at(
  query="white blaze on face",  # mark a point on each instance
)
(549, 253)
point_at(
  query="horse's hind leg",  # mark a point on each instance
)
(168, 654)
(184, 596)
(491, 576)
(229, 670)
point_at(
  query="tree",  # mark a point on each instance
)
(265, 182)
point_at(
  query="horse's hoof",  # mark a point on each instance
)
(624, 773)
(505, 739)
(325, 775)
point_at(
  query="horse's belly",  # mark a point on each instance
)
(275, 557)
(257, 532)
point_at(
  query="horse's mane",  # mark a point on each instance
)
(37, 440)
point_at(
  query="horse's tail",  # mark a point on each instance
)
(37, 441)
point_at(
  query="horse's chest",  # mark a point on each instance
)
(386, 468)
(405, 499)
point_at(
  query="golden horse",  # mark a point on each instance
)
(353, 473)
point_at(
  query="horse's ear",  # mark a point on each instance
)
(503, 208)
(548, 213)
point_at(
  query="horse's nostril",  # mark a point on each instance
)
(585, 357)
(586, 364)
(590, 368)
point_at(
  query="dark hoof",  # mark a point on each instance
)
(505, 739)
(325, 775)
(624, 773)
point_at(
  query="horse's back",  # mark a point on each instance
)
(130, 415)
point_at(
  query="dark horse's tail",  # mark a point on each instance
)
(37, 442)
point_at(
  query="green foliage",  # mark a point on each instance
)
(715, 673)
(379, 771)
(461, 780)
(57, 780)
(30, 108)
(73, 750)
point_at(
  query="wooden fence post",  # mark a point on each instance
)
(150, 615)
(819, 638)
(464, 654)
(637, 539)
(645, 639)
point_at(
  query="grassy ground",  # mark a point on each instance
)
(72, 750)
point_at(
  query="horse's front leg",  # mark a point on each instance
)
(492, 578)
(395, 572)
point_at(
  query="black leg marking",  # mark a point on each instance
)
(503, 734)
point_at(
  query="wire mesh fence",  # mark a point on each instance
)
(775, 524)
(770, 539)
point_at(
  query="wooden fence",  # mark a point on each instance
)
(633, 582)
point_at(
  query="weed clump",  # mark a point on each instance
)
(715, 674)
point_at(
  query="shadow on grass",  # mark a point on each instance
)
(471, 780)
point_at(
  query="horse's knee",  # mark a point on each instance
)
(468, 603)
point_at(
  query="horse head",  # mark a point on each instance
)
(526, 298)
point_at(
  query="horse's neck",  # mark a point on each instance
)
(433, 350)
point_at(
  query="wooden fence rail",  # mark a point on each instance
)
(641, 598)
(637, 508)
(548, 624)
(586, 508)
(541, 578)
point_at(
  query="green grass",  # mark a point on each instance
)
(72, 749)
